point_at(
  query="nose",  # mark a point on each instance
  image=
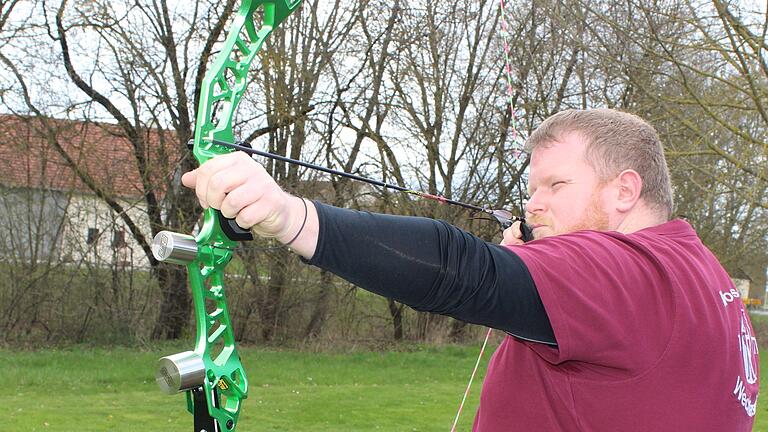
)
(534, 206)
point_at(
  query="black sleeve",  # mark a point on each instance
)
(432, 266)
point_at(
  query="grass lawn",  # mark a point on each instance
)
(96, 389)
(81, 389)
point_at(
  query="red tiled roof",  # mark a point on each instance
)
(27, 159)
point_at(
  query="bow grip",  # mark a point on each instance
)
(231, 229)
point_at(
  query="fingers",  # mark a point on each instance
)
(253, 204)
(218, 176)
(239, 197)
(189, 179)
(220, 184)
(262, 220)
(512, 235)
(241, 188)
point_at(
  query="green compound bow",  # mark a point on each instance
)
(212, 375)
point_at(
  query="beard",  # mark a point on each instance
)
(594, 217)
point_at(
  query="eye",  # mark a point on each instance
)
(557, 183)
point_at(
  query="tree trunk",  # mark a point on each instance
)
(271, 307)
(396, 311)
(457, 330)
(320, 311)
(175, 302)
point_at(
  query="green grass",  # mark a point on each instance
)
(99, 389)
(760, 324)
(761, 418)
(82, 389)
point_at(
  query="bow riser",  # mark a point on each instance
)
(224, 385)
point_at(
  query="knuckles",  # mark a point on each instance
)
(512, 235)
(218, 183)
(240, 188)
(248, 217)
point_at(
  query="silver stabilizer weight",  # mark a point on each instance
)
(174, 247)
(180, 372)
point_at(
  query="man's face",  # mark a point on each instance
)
(566, 193)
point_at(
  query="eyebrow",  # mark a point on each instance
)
(548, 179)
(545, 179)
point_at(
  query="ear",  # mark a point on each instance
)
(628, 188)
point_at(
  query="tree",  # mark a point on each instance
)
(697, 70)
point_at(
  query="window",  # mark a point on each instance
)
(118, 238)
(93, 236)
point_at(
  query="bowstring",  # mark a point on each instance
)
(517, 150)
(518, 154)
(471, 378)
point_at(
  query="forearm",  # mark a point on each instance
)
(429, 265)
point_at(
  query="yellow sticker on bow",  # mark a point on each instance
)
(223, 384)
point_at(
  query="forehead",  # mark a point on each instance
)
(564, 154)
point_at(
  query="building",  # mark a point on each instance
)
(52, 173)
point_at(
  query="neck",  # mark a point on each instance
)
(640, 217)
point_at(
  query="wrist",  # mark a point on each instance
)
(296, 209)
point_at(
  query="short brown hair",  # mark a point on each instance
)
(615, 141)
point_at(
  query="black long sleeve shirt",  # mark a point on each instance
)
(432, 266)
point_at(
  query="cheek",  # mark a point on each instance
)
(570, 215)
(568, 212)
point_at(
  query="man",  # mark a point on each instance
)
(619, 319)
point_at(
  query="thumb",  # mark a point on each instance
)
(189, 179)
(512, 235)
